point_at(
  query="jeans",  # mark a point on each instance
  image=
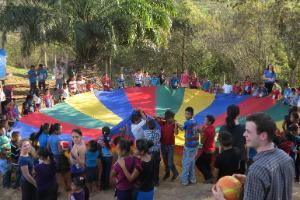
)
(32, 87)
(6, 179)
(188, 165)
(168, 158)
(156, 163)
(203, 164)
(297, 167)
(59, 83)
(42, 84)
(17, 170)
(106, 167)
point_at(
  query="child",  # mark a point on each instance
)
(143, 172)
(190, 148)
(43, 135)
(47, 187)
(73, 85)
(292, 96)
(123, 186)
(208, 140)
(105, 82)
(276, 91)
(237, 88)
(15, 153)
(138, 120)
(146, 79)
(153, 134)
(16, 109)
(37, 101)
(217, 88)
(106, 159)
(28, 105)
(121, 81)
(174, 82)
(185, 79)
(79, 189)
(47, 98)
(227, 87)
(247, 86)
(5, 169)
(162, 77)
(206, 85)
(261, 91)
(286, 93)
(154, 80)
(65, 94)
(168, 131)
(91, 161)
(90, 86)
(194, 81)
(57, 95)
(254, 90)
(4, 140)
(81, 84)
(138, 76)
(227, 163)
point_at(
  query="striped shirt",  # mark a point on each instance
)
(270, 177)
(154, 136)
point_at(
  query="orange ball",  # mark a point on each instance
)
(231, 187)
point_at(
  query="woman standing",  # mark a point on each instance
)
(28, 183)
(269, 77)
(237, 130)
(78, 152)
(45, 176)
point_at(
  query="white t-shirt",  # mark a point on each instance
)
(227, 88)
(37, 99)
(137, 130)
(138, 78)
(66, 93)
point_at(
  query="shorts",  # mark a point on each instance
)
(123, 194)
(92, 174)
(145, 195)
(62, 163)
(138, 85)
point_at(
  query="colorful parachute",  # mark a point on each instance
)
(91, 111)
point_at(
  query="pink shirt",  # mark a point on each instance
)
(122, 182)
(185, 79)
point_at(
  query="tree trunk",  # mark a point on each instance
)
(183, 51)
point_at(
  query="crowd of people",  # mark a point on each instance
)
(44, 165)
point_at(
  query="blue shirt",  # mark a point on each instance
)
(121, 82)
(105, 151)
(53, 141)
(154, 81)
(270, 74)
(43, 139)
(174, 82)
(91, 158)
(206, 85)
(32, 76)
(42, 74)
(26, 161)
(287, 92)
(191, 133)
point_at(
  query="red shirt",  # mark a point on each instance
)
(167, 133)
(209, 139)
(236, 89)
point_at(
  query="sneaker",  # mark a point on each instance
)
(174, 177)
(185, 184)
(166, 176)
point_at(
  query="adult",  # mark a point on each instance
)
(32, 76)
(162, 77)
(238, 141)
(28, 183)
(269, 77)
(271, 176)
(45, 176)
(59, 72)
(78, 151)
(42, 75)
(62, 163)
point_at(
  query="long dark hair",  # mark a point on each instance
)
(268, 68)
(54, 127)
(42, 129)
(233, 112)
(106, 139)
